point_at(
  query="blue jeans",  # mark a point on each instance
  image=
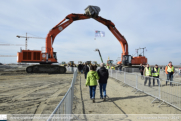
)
(102, 87)
(155, 79)
(92, 91)
(81, 71)
(170, 78)
(147, 78)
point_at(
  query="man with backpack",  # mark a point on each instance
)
(103, 77)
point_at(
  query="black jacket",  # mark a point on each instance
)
(141, 68)
(103, 75)
(86, 69)
(80, 67)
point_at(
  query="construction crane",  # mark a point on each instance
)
(99, 54)
(27, 39)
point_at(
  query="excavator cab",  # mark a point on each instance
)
(63, 62)
(55, 55)
(71, 62)
(126, 61)
(110, 62)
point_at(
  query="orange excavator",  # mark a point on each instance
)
(46, 59)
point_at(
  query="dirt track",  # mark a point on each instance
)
(22, 93)
(121, 100)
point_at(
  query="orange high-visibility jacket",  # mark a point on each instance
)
(166, 69)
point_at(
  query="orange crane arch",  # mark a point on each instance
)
(73, 17)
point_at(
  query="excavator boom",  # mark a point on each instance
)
(49, 56)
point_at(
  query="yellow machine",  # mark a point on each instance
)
(63, 63)
(72, 64)
(111, 64)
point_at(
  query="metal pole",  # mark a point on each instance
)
(136, 81)
(159, 90)
(116, 75)
(111, 72)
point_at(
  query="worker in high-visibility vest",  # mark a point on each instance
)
(155, 74)
(147, 73)
(113, 68)
(169, 70)
(107, 67)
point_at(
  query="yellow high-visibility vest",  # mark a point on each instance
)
(156, 72)
(148, 72)
(170, 69)
(113, 68)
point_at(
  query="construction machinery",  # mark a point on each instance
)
(49, 56)
(88, 63)
(110, 62)
(79, 62)
(94, 63)
(71, 64)
(99, 55)
(63, 63)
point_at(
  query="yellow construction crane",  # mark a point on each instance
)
(27, 39)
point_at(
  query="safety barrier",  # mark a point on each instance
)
(71, 69)
(170, 93)
(65, 105)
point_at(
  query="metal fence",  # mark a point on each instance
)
(169, 94)
(65, 105)
(71, 69)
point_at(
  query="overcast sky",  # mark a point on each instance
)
(154, 24)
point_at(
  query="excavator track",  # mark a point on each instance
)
(46, 68)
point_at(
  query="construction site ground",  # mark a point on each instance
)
(22, 93)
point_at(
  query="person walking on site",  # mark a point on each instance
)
(141, 68)
(103, 77)
(85, 70)
(91, 81)
(80, 68)
(155, 74)
(147, 73)
(169, 70)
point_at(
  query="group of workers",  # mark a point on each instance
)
(155, 72)
(110, 67)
